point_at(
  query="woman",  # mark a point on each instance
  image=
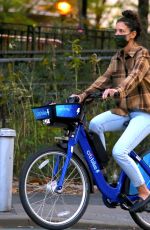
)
(128, 74)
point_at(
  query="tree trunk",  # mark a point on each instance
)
(83, 13)
(100, 12)
(143, 8)
(84, 9)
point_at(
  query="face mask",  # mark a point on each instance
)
(121, 41)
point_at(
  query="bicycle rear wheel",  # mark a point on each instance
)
(38, 181)
(142, 219)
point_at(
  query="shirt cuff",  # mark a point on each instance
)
(121, 92)
(83, 96)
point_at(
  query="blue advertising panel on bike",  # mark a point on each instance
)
(57, 111)
(41, 113)
(67, 110)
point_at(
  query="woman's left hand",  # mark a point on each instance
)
(109, 93)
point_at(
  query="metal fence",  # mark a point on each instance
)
(26, 43)
(30, 38)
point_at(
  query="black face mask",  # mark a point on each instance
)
(121, 41)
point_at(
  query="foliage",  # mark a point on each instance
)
(25, 85)
(76, 62)
(18, 11)
(15, 11)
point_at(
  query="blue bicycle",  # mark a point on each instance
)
(56, 182)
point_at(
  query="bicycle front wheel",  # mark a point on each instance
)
(37, 187)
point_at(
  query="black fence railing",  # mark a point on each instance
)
(14, 56)
(29, 38)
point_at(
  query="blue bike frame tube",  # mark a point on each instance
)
(141, 162)
(71, 143)
(108, 191)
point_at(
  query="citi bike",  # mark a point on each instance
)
(56, 182)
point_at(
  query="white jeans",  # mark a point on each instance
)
(137, 129)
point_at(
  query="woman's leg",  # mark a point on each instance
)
(106, 122)
(137, 130)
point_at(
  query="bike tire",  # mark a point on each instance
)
(37, 185)
(141, 219)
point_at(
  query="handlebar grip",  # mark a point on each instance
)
(95, 95)
(116, 94)
(74, 99)
(100, 94)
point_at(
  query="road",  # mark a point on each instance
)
(36, 228)
(96, 217)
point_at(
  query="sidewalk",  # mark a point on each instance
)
(97, 216)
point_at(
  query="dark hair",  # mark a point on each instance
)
(132, 20)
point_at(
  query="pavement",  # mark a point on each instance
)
(97, 216)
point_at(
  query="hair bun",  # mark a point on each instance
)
(130, 14)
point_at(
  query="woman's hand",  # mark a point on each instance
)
(109, 93)
(81, 96)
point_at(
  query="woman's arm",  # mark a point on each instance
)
(141, 67)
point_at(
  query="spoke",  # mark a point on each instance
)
(50, 213)
(65, 205)
(57, 175)
(69, 180)
(42, 205)
(40, 170)
(34, 188)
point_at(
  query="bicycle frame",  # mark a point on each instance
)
(112, 193)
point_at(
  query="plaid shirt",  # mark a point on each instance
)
(130, 75)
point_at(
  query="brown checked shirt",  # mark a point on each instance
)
(130, 75)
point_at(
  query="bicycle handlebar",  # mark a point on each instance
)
(99, 94)
(73, 99)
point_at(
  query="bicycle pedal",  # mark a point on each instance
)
(124, 207)
(108, 203)
(126, 202)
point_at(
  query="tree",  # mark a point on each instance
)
(84, 8)
(101, 10)
(143, 10)
(16, 11)
(97, 7)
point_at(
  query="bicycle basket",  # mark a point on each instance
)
(58, 112)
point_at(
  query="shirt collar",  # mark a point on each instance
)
(131, 53)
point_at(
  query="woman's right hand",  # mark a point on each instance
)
(81, 96)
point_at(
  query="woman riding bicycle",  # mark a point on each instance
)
(128, 74)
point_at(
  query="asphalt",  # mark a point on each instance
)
(97, 216)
